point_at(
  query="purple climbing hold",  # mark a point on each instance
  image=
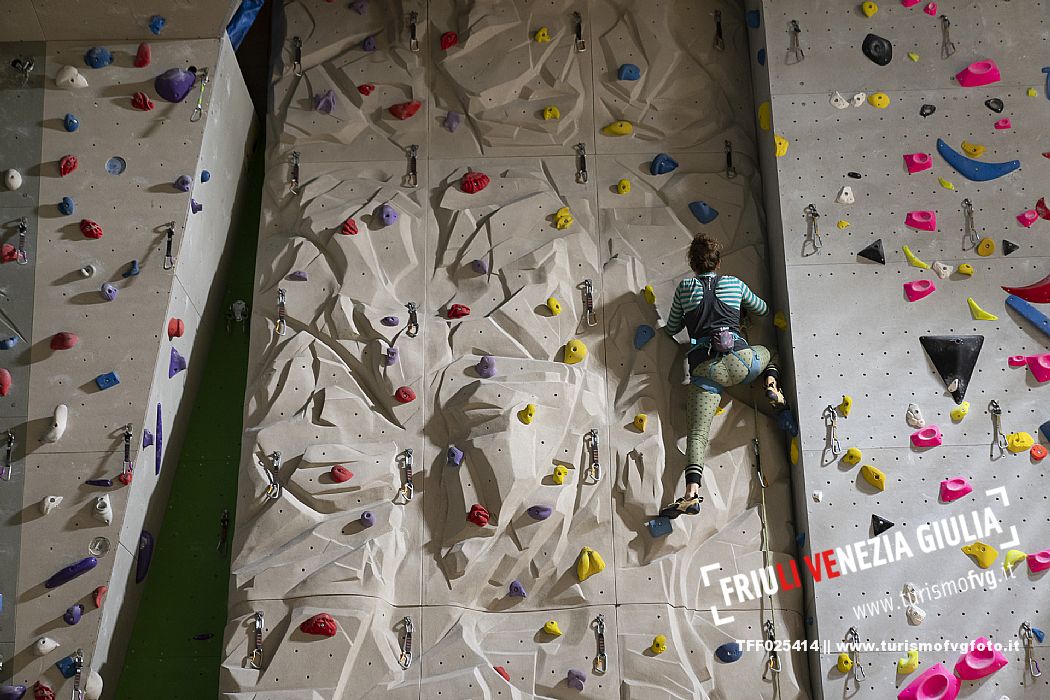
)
(486, 367)
(108, 291)
(576, 679)
(73, 614)
(298, 276)
(517, 590)
(159, 432)
(387, 214)
(480, 266)
(452, 121)
(368, 519)
(359, 6)
(132, 271)
(156, 23)
(324, 102)
(392, 355)
(195, 206)
(147, 438)
(176, 363)
(540, 512)
(144, 556)
(104, 483)
(71, 572)
(183, 183)
(205, 176)
(455, 456)
(98, 57)
(13, 692)
(390, 321)
(369, 44)
(174, 84)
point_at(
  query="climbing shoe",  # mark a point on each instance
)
(685, 504)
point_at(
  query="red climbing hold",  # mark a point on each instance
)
(1036, 293)
(503, 672)
(405, 394)
(479, 515)
(349, 228)
(143, 55)
(458, 311)
(176, 327)
(320, 624)
(404, 110)
(473, 182)
(90, 229)
(67, 165)
(448, 40)
(42, 691)
(1042, 209)
(366, 89)
(8, 253)
(141, 101)
(125, 478)
(1038, 452)
(63, 340)
(99, 596)
(341, 474)
(5, 382)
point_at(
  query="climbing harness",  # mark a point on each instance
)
(831, 422)
(812, 228)
(24, 66)
(947, 45)
(794, 46)
(282, 323)
(294, 184)
(412, 327)
(970, 230)
(169, 259)
(594, 469)
(78, 672)
(411, 178)
(405, 658)
(255, 656)
(998, 436)
(8, 467)
(224, 532)
(274, 488)
(407, 490)
(413, 42)
(720, 43)
(852, 641)
(128, 467)
(297, 47)
(601, 661)
(1028, 641)
(198, 111)
(588, 303)
(21, 257)
(581, 45)
(581, 163)
(730, 169)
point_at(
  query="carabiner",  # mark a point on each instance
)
(730, 168)
(794, 45)
(78, 671)
(21, 257)
(773, 662)
(294, 177)
(580, 44)
(601, 661)
(128, 468)
(297, 65)
(831, 423)
(24, 66)
(198, 111)
(852, 641)
(947, 45)
(581, 162)
(411, 178)
(413, 42)
(412, 327)
(405, 658)
(812, 217)
(968, 226)
(8, 467)
(255, 656)
(408, 489)
(282, 321)
(998, 437)
(594, 467)
(588, 303)
(1028, 641)
(169, 259)
(273, 489)
(720, 43)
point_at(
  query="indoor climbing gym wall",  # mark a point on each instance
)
(124, 135)
(462, 415)
(906, 146)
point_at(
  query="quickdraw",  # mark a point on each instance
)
(581, 162)
(588, 303)
(282, 322)
(730, 168)
(581, 45)
(412, 327)
(413, 42)
(970, 230)
(411, 178)
(594, 467)
(78, 672)
(405, 658)
(601, 661)
(794, 45)
(813, 227)
(255, 656)
(293, 185)
(998, 436)
(21, 256)
(947, 45)
(773, 661)
(9, 467)
(1028, 641)
(274, 488)
(24, 66)
(758, 463)
(297, 65)
(198, 111)
(128, 468)
(852, 642)
(405, 493)
(831, 422)
(169, 259)
(720, 43)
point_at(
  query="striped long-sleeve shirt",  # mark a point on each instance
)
(731, 291)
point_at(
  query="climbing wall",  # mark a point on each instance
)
(113, 297)
(368, 443)
(854, 332)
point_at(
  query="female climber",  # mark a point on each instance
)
(708, 305)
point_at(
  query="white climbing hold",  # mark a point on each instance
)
(818, 495)
(838, 101)
(103, 509)
(942, 270)
(58, 424)
(915, 614)
(93, 686)
(49, 503)
(12, 179)
(44, 646)
(70, 78)
(859, 99)
(914, 416)
(845, 195)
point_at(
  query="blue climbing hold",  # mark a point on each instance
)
(132, 271)
(67, 667)
(1038, 634)
(1029, 313)
(662, 164)
(539, 512)
(71, 123)
(642, 335)
(761, 57)
(786, 422)
(369, 44)
(390, 321)
(1045, 429)
(205, 176)
(116, 165)
(974, 169)
(800, 539)
(156, 23)
(107, 380)
(628, 71)
(659, 527)
(754, 19)
(703, 212)
(67, 206)
(729, 652)
(8, 343)
(98, 57)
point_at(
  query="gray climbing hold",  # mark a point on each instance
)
(98, 57)
(367, 519)
(324, 102)
(369, 44)
(454, 456)
(116, 165)
(729, 652)
(642, 335)
(486, 367)
(662, 164)
(452, 121)
(176, 363)
(132, 271)
(877, 49)
(174, 84)
(703, 212)
(205, 176)
(390, 321)
(387, 214)
(183, 183)
(628, 71)
(926, 110)
(298, 276)
(392, 355)
(480, 266)
(516, 590)
(539, 512)
(87, 271)
(67, 206)
(156, 24)
(108, 291)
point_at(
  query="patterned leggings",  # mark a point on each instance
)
(702, 404)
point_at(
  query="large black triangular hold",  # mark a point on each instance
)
(880, 525)
(1009, 247)
(954, 357)
(874, 252)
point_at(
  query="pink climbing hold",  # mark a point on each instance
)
(473, 182)
(349, 227)
(930, 436)
(64, 340)
(340, 474)
(978, 74)
(1027, 218)
(448, 40)
(42, 691)
(8, 253)
(405, 394)
(1040, 561)
(458, 311)
(1040, 367)
(917, 162)
(980, 660)
(66, 165)
(479, 515)
(90, 229)
(1003, 123)
(366, 89)
(5, 382)
(1017, 360)
(919, 289)
(141, 101)
(1041, 209)
(922, 220)
(321, 624)
(955, 488)
(935, 683)
(404, 110)
(910, 3)
(930, 9)
(176, 327)
(143, 55)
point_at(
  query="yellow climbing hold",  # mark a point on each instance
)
(985, 554)
(588, 564)
(618, 128)
(575, 351)
(795, 451)
(965, 269)
(551, 112)
(659, 644)
(1031, 92)
(640, 421)
(978, 313)
(526, 414)
(974, 150)
(563, 218)
(554, 305)
(869, 8)
(720, 410)
(912, 260)
(846, 405)
(845, 663)
(909, 663)
(913, 56)
(842, 224)
(551, 628)
(623, 186)
(560, 472)
(946, 184)
(960, 411)
(985, 247)
(852, 456)
(879, 100)
(1019, 442)
(648, 294)
(542, 35)
(780, 320)
(765, 116)
(781, 144)
(1012, 558)
(874, 476)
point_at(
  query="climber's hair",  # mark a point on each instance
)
(704, 254)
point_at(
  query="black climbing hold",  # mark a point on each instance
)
(995, 104)
(874, 252)
(1009, 247)
(926, 110)
(855, 176)
(879, 50)
(880, 525)
(954, 357)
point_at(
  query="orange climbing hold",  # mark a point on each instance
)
(1038, 452)
(176, 327)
